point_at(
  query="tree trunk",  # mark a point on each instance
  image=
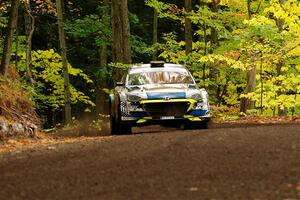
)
(280, 24)
(205, 53)
(249, 8)
(213, 72)
(101, 96)
(17, 44)
(102, 82)
(121, 47)
(12, 23)
(188, 27)
(29, 29)
(63, 46)
(155, 26)
(214, 32)
(246, 103)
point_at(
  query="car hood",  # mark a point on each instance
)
(166, 91)
(165, 87)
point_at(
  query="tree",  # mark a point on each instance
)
(247, 103)
(93, 34)
(9, 37)
(101, 96)
(215, 5)
(121, 46)
(188, 27)
(280, 24)
(62, 40)
(154, 37)
(29, 29)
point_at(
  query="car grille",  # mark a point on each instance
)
(166, 109)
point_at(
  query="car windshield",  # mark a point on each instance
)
(160, 77)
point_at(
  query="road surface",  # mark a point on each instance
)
(245, 162)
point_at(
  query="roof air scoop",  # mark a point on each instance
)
(157, 64)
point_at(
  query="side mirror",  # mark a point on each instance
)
(197, 80)
(120, 84)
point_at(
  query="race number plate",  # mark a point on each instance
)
(167, 117)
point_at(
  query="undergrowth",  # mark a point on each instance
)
(15, 105)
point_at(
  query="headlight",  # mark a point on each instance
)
(133, 98)
(197, 97)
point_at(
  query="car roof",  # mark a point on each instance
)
(147, 67)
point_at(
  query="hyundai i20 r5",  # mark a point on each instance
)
(158, 93)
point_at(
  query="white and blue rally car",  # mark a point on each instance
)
(158, 93)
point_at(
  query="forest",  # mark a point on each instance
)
(66, 56)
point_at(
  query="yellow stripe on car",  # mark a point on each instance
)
(192, 118)
(143, 120)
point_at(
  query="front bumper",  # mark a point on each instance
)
(160, 111)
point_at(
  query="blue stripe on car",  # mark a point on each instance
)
(171, 95)
(138, 114)
(197, 113)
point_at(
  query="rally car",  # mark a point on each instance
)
(158, 93)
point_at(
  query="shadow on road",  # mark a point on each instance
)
(87, 131)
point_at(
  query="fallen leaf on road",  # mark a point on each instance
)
(51, 148)
(193, 189)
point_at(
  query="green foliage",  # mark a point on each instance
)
(243, 44)
(139, 48)
(269, 42)
(3, 21)
(172, 50)
(21, 44)
(164, 10)
(278, 55)
(48, 91)
(120, 66)
(91, 26)
(3, 24)
(227, 79)
(96, 30)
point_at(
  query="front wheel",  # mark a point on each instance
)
(116, 127)
(125, 129)
(119, 129)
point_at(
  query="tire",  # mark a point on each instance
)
(124, 129)
(113, 123)
(205, 124)
(113, 126)
(116, 127)
(119, 129)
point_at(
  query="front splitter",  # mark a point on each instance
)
(161, 120)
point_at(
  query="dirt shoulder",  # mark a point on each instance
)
(258, 120)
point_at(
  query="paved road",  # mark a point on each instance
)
(260, 162)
